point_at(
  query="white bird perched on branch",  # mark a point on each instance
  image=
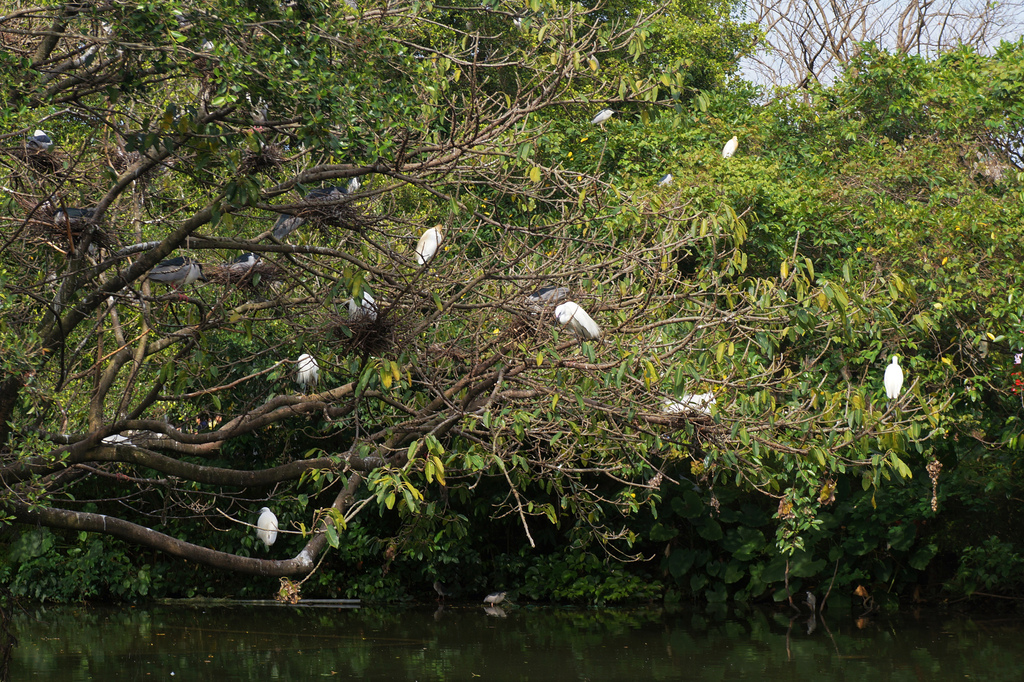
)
(428, 244)
(730, 147)
(893, 379)
(602, 116)
(309, 371)
(571, 315)
(266, 527)
(665, 180)
(690, 402)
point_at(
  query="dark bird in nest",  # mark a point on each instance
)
(70, 223)
(267, 158)
(73, 216)
(39, 140)
(243, 263)
(286, 224)
(177, 272)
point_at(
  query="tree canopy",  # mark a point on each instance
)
(747, 306)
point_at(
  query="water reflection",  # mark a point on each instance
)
(460, 642)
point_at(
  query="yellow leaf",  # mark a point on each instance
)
(784, 269)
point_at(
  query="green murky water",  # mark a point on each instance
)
(267, 642)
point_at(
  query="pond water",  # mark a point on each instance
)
(223, 643)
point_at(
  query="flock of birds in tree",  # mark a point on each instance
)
(182, 271)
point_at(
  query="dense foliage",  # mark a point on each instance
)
(458, 431)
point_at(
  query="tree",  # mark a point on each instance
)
(807, 41)
(152, 413)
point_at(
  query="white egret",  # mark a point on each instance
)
(494, 598)
(665, 180)
(576, 318)
(116, 439)
(177, 272)
(602, 116)
(266, 527)
(308, 371)
(893, 379)
(353, 186)
(428, 244)
(366, 309)
(690, 402)
(730, 147)
(39, 140)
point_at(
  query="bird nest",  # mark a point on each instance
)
(65, 234)
(267, 158)
(228, 275)
(344, 215)
(363, 334)
(524, 328)
(40, 160)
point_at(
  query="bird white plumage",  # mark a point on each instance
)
(665, 180)
(602, 116)
(365, 310)
(266, 527)
(309, 371)
(690, 402)
(730, 147)
(571, 315)
(893, 379)
(428, 244)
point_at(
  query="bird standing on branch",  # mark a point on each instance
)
(428, 244)
(571, 315)
(308, 371)
(266, 527)
(602, 116)
(893, 379)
